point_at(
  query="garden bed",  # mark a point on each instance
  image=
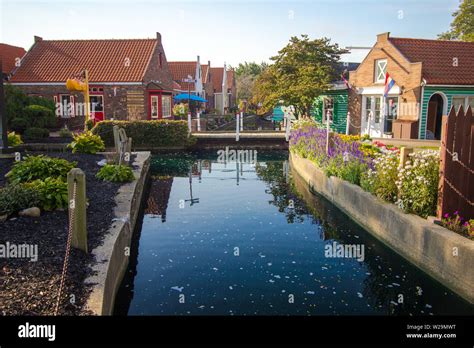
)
(31, 288)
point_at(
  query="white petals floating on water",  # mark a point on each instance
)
(177, 288)
(310, 292)
(215, 269)
(360, 295)
(277, 276)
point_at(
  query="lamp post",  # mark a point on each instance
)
(3, 117)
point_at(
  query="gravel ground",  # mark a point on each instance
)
(31, 288)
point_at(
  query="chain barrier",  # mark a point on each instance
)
(454, 158)
(72, 218)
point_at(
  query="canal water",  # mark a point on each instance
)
(223, 237)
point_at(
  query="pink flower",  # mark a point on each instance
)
(446, 215)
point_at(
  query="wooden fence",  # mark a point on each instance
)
(456, 185)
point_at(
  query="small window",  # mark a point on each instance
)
(328, 108)
(380, 70)
(457, 102)
(470, 102)
(166, 105)
(154, 107)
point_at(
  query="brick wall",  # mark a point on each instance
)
(407, 76)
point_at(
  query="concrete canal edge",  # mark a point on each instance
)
(111, 259)
(428, 246)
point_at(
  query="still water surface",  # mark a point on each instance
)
(249, 239)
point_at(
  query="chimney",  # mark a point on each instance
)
(383, 37)
(209, 64)
(158, 37)
(38, 39)
(198, 59)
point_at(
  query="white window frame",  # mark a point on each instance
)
(151, 107)
(462, 96)
(382, 72)
(166, 115)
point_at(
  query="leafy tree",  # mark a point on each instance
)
(462, 27)
(246, 73)
(301, 71)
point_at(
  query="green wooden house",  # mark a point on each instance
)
(335, 101)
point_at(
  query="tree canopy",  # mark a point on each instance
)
(301, 71)
(462, 26)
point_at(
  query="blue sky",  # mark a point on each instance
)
(219, 30)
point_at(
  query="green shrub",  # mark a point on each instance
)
(89, 124)
(160, 133)
(16, 197)
(36, 133)
(39, 167)
(115, 173)
(418, 183)
(65, 133)
(350, 171)
(86, 143)
(14, 139)
(381, 181)
(19, 124)
(52, 193)
(39, 116)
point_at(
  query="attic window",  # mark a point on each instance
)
(380, 70)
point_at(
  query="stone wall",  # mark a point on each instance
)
(443, 254)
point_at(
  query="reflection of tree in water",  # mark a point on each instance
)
(173, 164)
(159, 196)
(272, 173)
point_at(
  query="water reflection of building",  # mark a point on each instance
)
(159, 196)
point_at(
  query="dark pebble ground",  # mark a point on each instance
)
(31, 288)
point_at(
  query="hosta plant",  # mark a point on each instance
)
(115, 173)
(87, 142)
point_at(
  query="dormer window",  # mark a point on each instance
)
(380, 70)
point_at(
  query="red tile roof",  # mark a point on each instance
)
(437, 57)
(217, 75)
(180, 71)
(8, 56)
(106, 60)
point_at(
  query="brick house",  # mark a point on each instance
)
(10, 57)
(430, 76)
(200, 73)
(129, 79)
(217, 76)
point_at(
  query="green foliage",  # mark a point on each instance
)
(115, 173)
(382, 180)
(20, 116)
(180, 109)
(302, 71)
(89, 124)
(39, 167)
(39, 116)
(462, 27)
(36, 133)
(52, 193)
(86, 142)
(16, 197)
(19, 124)
(160, 133)
(418, 183)
(350, 171)
(370, 150)
(14, 139)
(65, 133)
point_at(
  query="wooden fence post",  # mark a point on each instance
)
(116, 139)
(76, 178)
(404, 152)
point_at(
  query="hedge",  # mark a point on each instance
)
(159, 133)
